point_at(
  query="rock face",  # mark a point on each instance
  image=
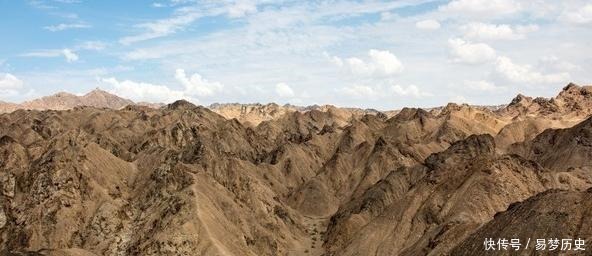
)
(562, 149)
(433, 207)
(254, 114)
(528, 117)
(551, 214)
(185, 180)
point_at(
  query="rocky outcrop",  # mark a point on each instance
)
(554, 214)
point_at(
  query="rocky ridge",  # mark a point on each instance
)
(185, 180)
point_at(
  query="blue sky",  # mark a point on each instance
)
(364, 53)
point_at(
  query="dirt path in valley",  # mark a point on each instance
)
(313, 246)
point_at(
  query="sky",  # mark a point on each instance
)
(364, 53)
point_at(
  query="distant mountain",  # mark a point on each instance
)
(7, 107)
(252, 114)
(62, 100)
(255, 113)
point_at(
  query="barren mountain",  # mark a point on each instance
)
(7, 107)
(554, 214)
(560, 148)
(573, 101)
(254, 114)
(528, 117)
(61, 101)
(282, 180)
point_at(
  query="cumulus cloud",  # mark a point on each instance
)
(482, 7)
(411, 90)
(579, 16)
(482, 31)
(68, 54)
(139, 91)
(379, 63)
(517, 73)
(195, 85)
(10, 84)
(284, 90)
(462, 51)
(428, 24)
(360, 91)
(66, 26)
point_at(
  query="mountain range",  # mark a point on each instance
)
(101, 175)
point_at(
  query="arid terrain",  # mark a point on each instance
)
(101, 175)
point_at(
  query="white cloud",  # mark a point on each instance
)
(579, 16)
(138, 91)
(462, 51)
(482, 31)
(10, 85)
(194, 87)
(360, 91)
(380, 63)
(517, 73)
(197, 85)
(523, 29)
(283, 90)
(65, 26)
(428, 24)
(482, 7)
(554, 64)
(459, 99)
(68, 54)
(162, 27)
(241, 9)
(482, 85)
(411, 90)
(288, 49)
(10, 82)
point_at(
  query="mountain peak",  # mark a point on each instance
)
(99, 91)
(520, 99)
(181, 104)
(571, 86)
